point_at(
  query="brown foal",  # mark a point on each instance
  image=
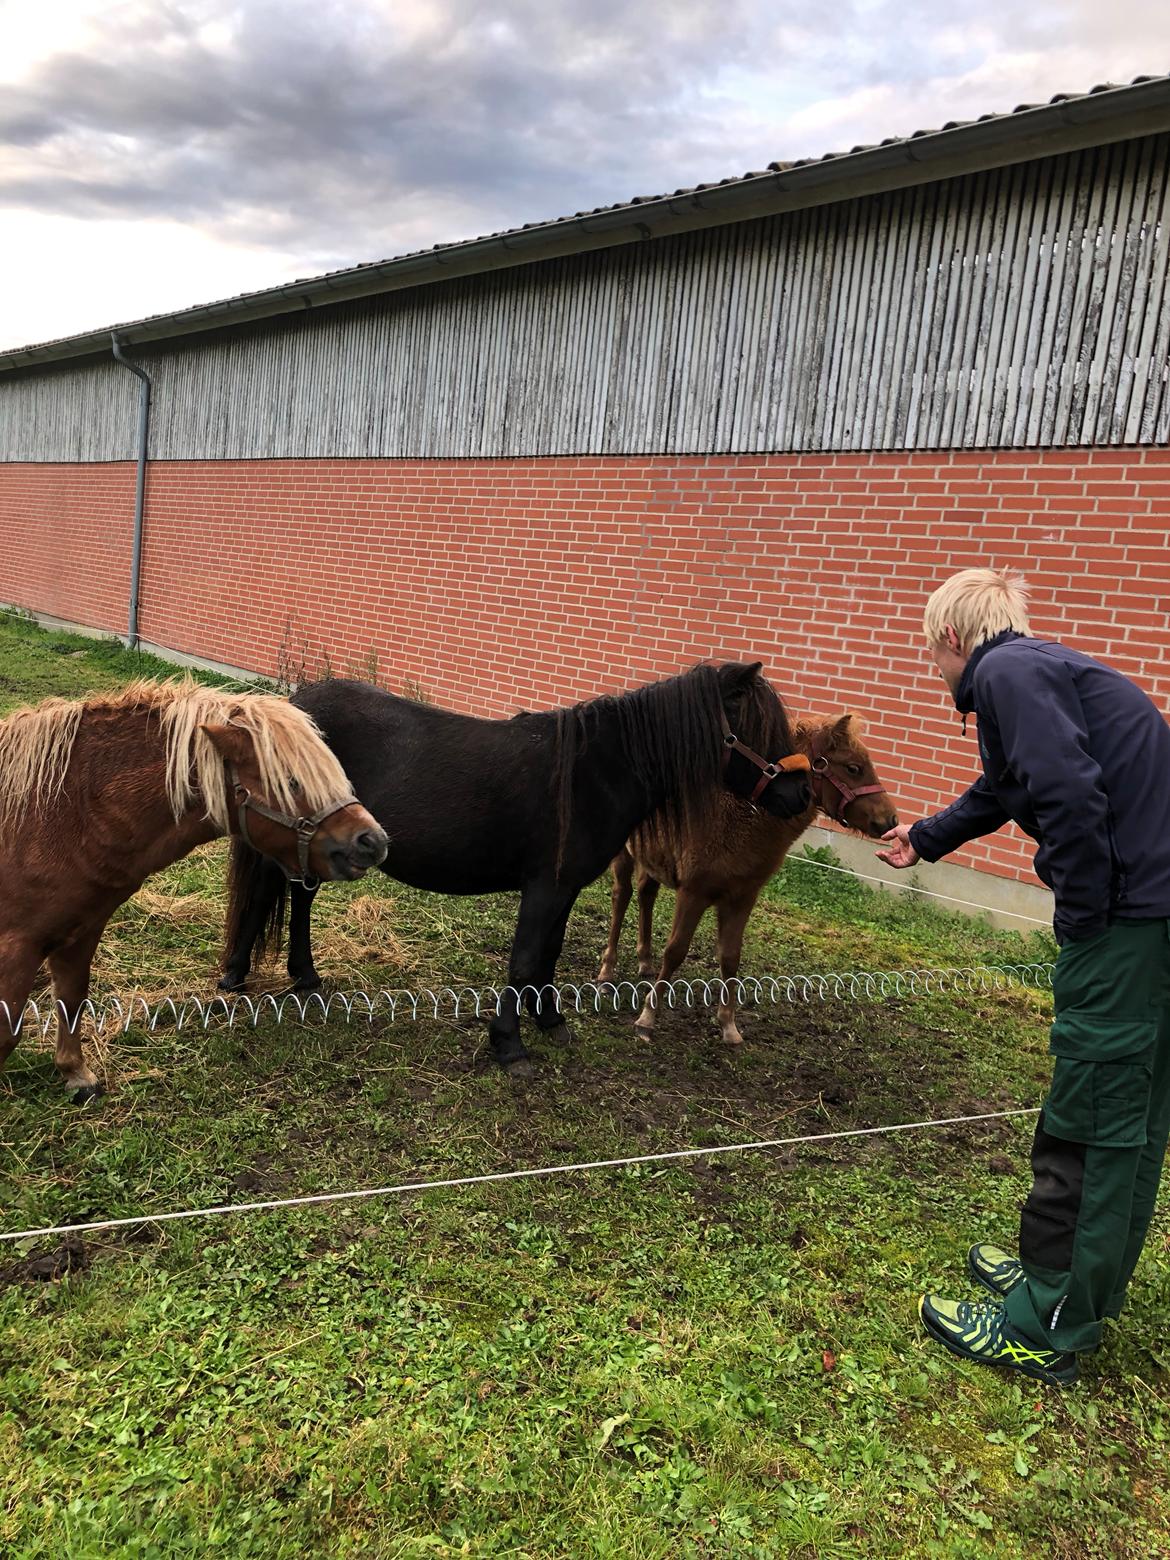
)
(728, 860)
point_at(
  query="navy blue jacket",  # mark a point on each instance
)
(1079, 757)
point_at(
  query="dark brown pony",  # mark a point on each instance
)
(726, 860)
(540, 803)
(95, 795)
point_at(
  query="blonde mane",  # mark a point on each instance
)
(37, 744)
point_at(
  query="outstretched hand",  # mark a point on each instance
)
(901, 853)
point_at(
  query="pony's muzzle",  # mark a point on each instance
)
(791, 795)
(877, 826)
(351, 859)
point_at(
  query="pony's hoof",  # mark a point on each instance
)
(560, 1035)
(86, 1092)
(605, 974)
(521, 1068)
(231, 983)
(307, 982)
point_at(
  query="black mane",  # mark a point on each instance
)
(672, 739)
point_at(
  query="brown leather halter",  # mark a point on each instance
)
(820, 773)
(304, 828)
(769, 770)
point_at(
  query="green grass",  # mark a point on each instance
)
(36, 664)
(714, 1358)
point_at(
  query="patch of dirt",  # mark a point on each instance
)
(804, 1069)
(48, 1266)
(1000, 1164)
(687, 1078)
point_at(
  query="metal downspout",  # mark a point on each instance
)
(140, 489)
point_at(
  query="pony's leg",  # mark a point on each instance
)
(688, 912)
(69, 967)
(542, 908)
(545, 1006)
(647, 893)
(623, 889)
(733, 918)
(19, 963)
(301, 969)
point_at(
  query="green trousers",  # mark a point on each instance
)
(1101, 1138)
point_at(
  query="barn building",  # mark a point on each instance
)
(757, 418)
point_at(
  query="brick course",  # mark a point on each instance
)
(507, 583)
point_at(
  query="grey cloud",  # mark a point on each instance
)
(333, 128)
(303, 123)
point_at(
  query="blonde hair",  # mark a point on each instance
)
(36, 746)
(978, 604)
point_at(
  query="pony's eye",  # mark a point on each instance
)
(294, 784)
(853, 769)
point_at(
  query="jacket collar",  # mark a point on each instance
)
(964, 693)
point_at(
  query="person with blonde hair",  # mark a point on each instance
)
(1079, 757)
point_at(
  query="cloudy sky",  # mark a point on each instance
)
(159, 153)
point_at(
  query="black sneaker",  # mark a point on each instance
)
(994, 1268)
(997, 1270)
(983, 1334)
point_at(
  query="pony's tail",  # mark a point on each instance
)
(256, 887)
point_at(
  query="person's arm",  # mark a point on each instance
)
(976, 813)
(1035, 704)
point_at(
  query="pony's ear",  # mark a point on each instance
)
(738, 676)
(847, 727)
(230, 742)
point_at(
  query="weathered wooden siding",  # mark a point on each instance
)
(1024, 307)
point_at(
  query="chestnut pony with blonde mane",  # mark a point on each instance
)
(97, 794)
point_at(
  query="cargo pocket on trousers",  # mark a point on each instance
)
(1101, 1080)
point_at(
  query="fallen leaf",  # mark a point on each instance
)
(608, 1426)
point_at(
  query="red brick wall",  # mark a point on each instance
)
(496, 584)
(65, 541)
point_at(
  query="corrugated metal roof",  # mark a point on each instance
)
(1109, 111)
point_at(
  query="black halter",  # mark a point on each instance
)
(305, 828)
